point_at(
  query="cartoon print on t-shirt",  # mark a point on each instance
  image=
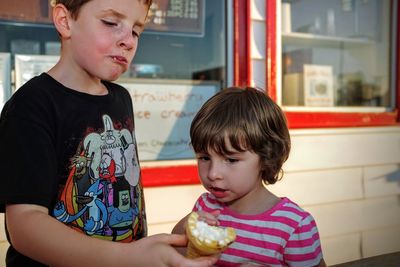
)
(119, 145)
(102, 196)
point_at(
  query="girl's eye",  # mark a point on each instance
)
(230, 160)
(204, 158)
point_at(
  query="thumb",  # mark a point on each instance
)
(177, 240)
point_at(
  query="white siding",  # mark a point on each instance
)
(3, 242)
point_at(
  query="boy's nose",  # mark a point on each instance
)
(128, 41)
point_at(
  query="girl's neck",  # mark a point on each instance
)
(256, 202)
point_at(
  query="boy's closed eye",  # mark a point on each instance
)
(109, 23)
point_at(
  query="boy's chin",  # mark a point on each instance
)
(112, 77)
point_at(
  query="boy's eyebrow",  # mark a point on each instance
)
(113, 12)
(120, 16)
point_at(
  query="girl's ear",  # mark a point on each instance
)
(61, 19)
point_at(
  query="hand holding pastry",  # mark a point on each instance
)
(205, 239)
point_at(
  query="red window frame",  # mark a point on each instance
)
(187, 174)
(299, 119)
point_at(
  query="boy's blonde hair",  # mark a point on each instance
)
(249, 120)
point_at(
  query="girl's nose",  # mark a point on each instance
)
(214, 172)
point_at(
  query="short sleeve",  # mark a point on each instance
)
(304, 247)
(27, 158)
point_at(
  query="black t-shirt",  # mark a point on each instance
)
(75, 154)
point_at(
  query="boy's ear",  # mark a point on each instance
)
(61, 17)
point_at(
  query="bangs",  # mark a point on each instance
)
(222, 143)
(221, 129)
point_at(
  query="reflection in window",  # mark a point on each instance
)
(336, 53)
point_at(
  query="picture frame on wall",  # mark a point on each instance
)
(5, 78)
(318, 85)
(29, 66)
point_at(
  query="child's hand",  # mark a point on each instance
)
(163, 254)
(211, 218)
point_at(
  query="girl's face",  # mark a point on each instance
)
(234, 179)
(104, 37)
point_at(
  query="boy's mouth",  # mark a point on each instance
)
(120, 60)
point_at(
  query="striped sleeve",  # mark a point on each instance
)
(303, 247)
(207, 204)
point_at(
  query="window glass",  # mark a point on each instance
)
(336, 53)
(196, 51)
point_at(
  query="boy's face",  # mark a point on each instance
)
(103, 39)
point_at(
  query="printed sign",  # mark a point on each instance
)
(163, 114)
(29, 66)
(176, 17)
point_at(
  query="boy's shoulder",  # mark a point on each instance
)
(35, 86)
(31, 97)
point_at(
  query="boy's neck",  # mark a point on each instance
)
(81, 83)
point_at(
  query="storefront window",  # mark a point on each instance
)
(336, 55)
(181, 61)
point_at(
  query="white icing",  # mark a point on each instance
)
(208, 233)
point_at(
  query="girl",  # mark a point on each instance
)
(241, 141)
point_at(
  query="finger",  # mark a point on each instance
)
(177, 240)
(200, 262)
(216, 213)
(209, 218)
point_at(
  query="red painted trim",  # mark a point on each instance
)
(326, 119)
(398, 62)
(241, 44)
(270, 40)
(170, 175)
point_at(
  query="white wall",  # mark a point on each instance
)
(3, 241)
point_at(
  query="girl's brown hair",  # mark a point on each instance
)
(250, 120)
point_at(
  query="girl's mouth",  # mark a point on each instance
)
(218, 192)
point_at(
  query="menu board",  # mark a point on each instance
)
(163, 114)
(29, 66)
(37, 11)
(176, 17)
(5, 77)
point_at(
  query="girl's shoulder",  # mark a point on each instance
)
(208, 202)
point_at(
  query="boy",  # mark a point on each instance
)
(72, 179)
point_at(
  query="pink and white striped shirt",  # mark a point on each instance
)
(285, 235)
